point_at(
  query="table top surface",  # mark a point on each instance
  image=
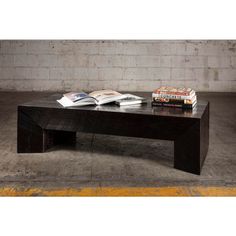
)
(143, 109)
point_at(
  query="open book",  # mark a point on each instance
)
(94, 98)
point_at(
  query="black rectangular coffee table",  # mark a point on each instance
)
(45, 123)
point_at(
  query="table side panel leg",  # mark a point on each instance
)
(187, 150)
(204, 138)
(30, 136)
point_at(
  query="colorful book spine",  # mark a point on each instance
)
(187, 106)
(175, 101)
(172, 96)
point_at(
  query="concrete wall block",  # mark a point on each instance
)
(47, 60)
(190, 74)
(7, 85)
(221, 86)
(111, 48)
(69, 85)
(64, 47)
(6, 60)
(233, 62)
(150, 86)
(130, 61)
(11, 85)
(125, 85)
(153, 49)
(50, 47)
(211, 74)
(87, 48)
(97, 85)
(148, 61)
(62, 73)
(142, 47)
(81, 73)
(111, 84)
(166, 48)
(7, 73)
(44, 85)
(147, 74)
(159, 73)
(205, 74)
(111, 61)
(136, 74)
(110, 73)
(178, 62)
(40, 73)
(36, 60)
(189, 61)
(219, 62)
(130, 48)
(182, 74)
(130, 85)
(26, 60)
(165, 61)
(172, 48)
(23, 73)
(72, 61)
(202, 77)
(232, 86)
(191, 48)
(229, 47)
(180, 48)
(13, 47)
(227, 74)
(106, 61)
(93, 74)
(211, 48)
(195, 61)
(40, 47)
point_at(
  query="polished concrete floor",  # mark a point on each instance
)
(100, 160)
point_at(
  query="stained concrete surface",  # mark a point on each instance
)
(102, 160)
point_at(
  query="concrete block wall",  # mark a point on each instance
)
(52, 65)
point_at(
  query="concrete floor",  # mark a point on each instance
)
(109, 161)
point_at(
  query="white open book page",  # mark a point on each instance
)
(65, 102)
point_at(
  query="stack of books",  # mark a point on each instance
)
(174, 97)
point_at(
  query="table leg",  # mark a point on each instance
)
(187, 151)
(31, 138)
(191, 147)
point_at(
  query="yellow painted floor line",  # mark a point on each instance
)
(121, 191)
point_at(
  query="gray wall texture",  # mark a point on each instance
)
(54, 65)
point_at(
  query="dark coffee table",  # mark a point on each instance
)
(45, 123)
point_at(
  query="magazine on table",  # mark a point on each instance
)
(95, 98)
(130, 99)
